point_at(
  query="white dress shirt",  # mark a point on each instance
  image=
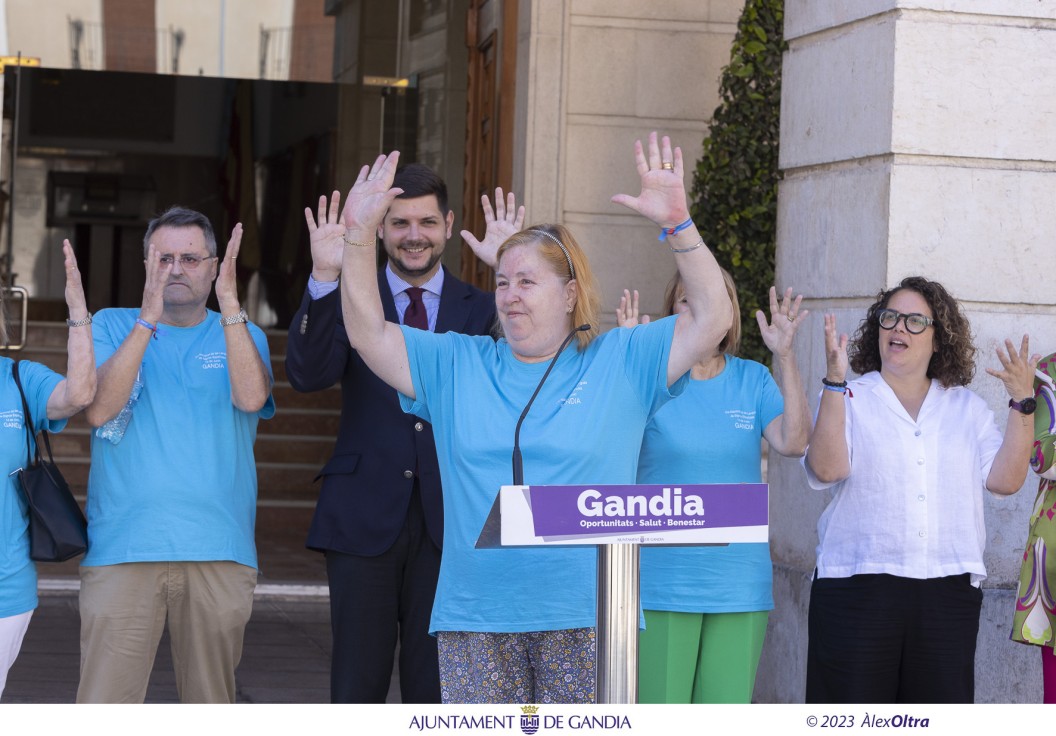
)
(431, 291)
(912, 505)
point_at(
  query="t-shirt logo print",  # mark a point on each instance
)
(742, 418)
(212, 360)
(573, 398)
(11, 418)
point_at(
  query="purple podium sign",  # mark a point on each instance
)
(635, 514)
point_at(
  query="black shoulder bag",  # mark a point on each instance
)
(58, 530)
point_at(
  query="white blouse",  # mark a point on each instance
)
(912, 505)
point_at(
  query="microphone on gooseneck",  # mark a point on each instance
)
(518, 465)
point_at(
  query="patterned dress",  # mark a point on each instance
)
(1035, 617)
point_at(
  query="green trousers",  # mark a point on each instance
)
(699, 657)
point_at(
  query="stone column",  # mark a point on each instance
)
(917, 137)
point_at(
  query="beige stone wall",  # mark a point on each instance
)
(594, 75)
(223, 38)
(215, 45)
(916, 138)
(40, 29)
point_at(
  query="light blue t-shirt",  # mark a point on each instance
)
(584, 427)
(18, 574)
(711, 434)
(182, 484)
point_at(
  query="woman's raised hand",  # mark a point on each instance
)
(627, 312)
(369, 198)
(785, 319)
(835, 351)
(504, 220)
(1017, 369)
(663, 195)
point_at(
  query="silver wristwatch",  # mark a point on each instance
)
(240, 318)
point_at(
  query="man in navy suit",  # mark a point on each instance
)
(379, 518)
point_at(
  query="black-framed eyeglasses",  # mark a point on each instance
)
(915, 323)
(188, 261)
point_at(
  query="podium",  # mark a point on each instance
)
(619, 519)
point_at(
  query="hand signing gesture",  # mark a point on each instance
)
(327, 238)
(154, 287)
(226, 286)
(75, 301)
(1017, 369)
(370, 197)
(627, 312)
(784, 321)
(835, 351)
(663, 195)
(502, 222)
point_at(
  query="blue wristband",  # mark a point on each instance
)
(837, 389)
(153, 328)
(664, 232)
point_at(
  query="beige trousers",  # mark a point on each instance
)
(123, 613)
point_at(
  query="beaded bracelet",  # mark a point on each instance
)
(839, 387)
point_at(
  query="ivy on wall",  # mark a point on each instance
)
(735, 185)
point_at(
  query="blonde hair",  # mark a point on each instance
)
(588, 299)
(731, 343)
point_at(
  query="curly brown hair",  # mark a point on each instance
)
(953, 363)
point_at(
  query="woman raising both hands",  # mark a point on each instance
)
(51, 400)
(894, 607)
(706, 607)
(517, 625)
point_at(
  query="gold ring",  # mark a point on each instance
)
(790, 318)
(667, 166)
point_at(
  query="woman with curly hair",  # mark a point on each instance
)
(907, 450)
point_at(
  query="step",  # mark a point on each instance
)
(305, 449)
(287, 395)
(277, 341)
(287, 481)
(52, 356)
(324, 422)
(46, 334)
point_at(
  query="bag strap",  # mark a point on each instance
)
(26, 415)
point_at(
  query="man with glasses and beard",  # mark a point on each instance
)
(379, 518)
(173, 487)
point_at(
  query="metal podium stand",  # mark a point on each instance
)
(736, 513)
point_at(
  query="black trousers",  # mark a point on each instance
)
(374, 600)
(887, 639)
